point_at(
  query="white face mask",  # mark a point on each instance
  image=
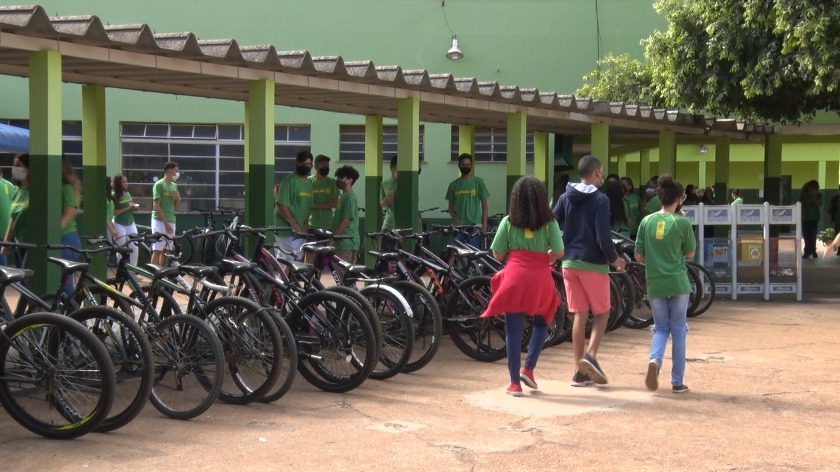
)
(175, 176)
(20, 173)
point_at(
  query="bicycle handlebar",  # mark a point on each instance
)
(18, 245)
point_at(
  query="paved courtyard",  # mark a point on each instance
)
(764, 396)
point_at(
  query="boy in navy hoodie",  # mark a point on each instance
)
(584, 216)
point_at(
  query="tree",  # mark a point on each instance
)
(622, 79)
(774, 60)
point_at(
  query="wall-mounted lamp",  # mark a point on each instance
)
(454, 53)
(704, 149)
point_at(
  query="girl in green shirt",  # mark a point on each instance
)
(124, 208)
(71, 191)
(16, 230)
(664, 241)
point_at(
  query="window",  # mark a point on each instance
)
(351, 146)
(211, 159)
(491, 145)
(71, 144)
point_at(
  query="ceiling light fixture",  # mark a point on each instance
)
(454, 53)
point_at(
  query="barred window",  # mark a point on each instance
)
(491, 145)
(351, 145)
(211, 159)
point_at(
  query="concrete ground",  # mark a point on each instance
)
(764, 396)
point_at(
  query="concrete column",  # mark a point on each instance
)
(668, 153)
(408, 163)
(600, 147)
(259, 154)
(94, 162)
(644, 168)
(721, 169)
(516, 132)
(773, 168)
(701, 173)
(543, 161)
(44, 221)
(373, 176)
(622, 165)
(466, 142)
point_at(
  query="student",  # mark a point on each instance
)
(467, 197)
(634, 204)
(664, 242)
(124, 208)
(166, 200)
(736, 197)
(324, 195)
(387, 192)
(346, 219)
(531, 240)
(293, 205)
(7, 189)
(19, 213)
(109, 210)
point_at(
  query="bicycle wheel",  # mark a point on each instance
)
(189, 367)
(184, 246)
(131, 358)
(482, 339)
(56, 378)
(560, 329)
(626, 298)
(696, 295)
(428, 325)
(334, 340)
(365, 305)
(642, 316)
(250, 341)
(708, 283)
(395, 317)
(286, 361)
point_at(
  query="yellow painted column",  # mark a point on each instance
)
(644, 167)
(601, 144)
(516, 132)
(668, 153)
(259, 154)
(466, 142)
(94, 174)
(408, 163)
(373, 177)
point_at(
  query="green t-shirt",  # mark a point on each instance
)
(466, 195)
(7, 190)
(109, 209)
(166, 194)
(348, 207)
(69, 199)
(509, 237)
(653, 205)
(738, 201)
(622, 226)
(125, 218)
(296, 195)
(323, 191)
(19, 213)
(664, 239)
(811, 210)
(389, 186)
(634, 204)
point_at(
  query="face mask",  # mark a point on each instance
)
(175, 176)
(303, 170)
(465, 170)
(324, 171)
(19, 173)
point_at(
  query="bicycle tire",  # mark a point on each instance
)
(696, 295)
(560, 329)
(428, 325)
(185, 347)
(32, 376)
(642, 316)
(627, 297)
(366, 306)
(334, 337)
(709, 289)
(394, 315)
(131, 356)
(250, 339)
(482, 339)
(287, 361)
(185, 249)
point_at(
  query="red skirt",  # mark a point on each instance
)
(524, 285)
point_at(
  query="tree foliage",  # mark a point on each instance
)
(622, 79)
(773, 60)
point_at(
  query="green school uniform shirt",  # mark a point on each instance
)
(664, 239)
(296, 195)
(20, 213)
(348, 207)
(69, 199)
(323, 191)
(738, 201)
(166, 194)
(7, 190)
(389, 186)
(109, 209)
(634, 204)
(653, 205)
(466, 196)
(127, 217)
(509, 237)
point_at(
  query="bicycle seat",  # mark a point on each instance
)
(198, 270)
(468, 253)
(385, 256)
(10, 275)
(69, 266)
(319, 250)
(160, 272)
(297, 267)
(351, 268)
(230, 265)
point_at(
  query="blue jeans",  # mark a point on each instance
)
(474, 240)
(514, 327)
(669, 318)
(70, 239)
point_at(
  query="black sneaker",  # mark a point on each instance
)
(590, 367)
(581, 380)
(679, 388)
(652, 379)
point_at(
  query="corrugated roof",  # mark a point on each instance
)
(133, 57)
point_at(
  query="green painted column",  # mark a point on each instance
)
(701, 173)
(259, 154)
(44, 165)
(773, 168)
(721, 169)
(644, 168)
(516, 132)
(600, 145)
(93, 163)
(408, 163)
(543, 162)
(668, 152)
(373, 178)
(622, 165)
